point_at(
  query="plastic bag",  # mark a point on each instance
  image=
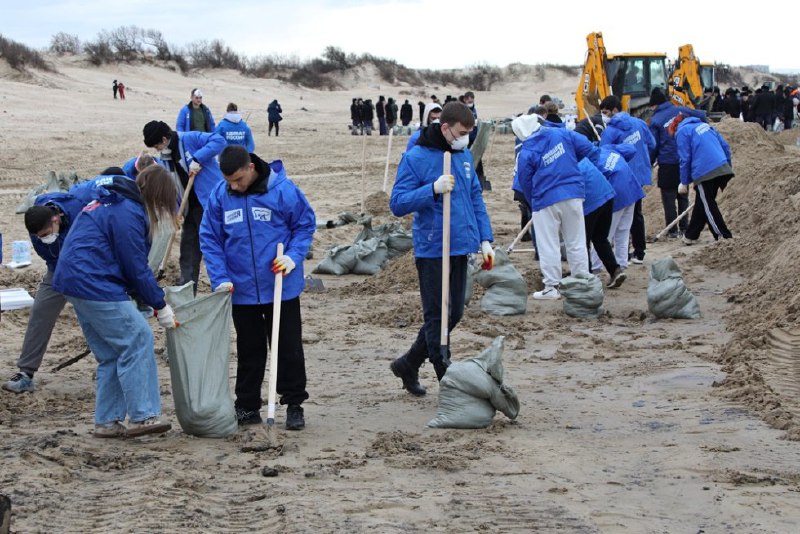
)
(506, 290)
(198, 353)
(583, 296)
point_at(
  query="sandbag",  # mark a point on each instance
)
(371, 249)
(481, 141)
(340, 260)
(198, 352)
(158, 248)
(371, 255)
(53, 183)
(506, 290)
(472, 391)
(667, 295)
(582, 295)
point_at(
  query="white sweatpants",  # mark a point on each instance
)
(566, 216)
(619, 237)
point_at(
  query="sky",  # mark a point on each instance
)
(436, 34)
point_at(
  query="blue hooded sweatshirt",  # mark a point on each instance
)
(105, 253)
(70, 207)
(613, 163)
(547, 167)
(666, 152)
(598, 190)
(626, 129)
(204, 148)
(413, 193)
(236, 131)
(240, 233)
(701, 150)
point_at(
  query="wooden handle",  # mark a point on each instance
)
(181, 210)
(445, 260)
(273, 343)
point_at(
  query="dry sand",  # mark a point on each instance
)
(628, 424)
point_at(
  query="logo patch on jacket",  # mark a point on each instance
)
(634, 138)
(106, 180)
(468, 171)
(262, 214)
(234, 216)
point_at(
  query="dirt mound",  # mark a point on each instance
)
(377, 204)
(762, 207)
(399, 275)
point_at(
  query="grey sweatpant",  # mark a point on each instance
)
(47, 305)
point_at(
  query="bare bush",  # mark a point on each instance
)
(98, 52)
(337, 58)
(20, 56)
(213, 55)
(65, 43)
(312, 78)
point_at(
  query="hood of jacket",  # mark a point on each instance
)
(432, 137)
(233, 116)
(622, 121)
(525, 125)
(119, 188)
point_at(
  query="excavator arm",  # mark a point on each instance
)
(685, 86)
(593, 86)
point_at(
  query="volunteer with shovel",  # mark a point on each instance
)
(104, 256)
(247, 216)
(422, 188)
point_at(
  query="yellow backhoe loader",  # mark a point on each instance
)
(630, 76)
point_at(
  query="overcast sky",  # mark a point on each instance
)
(430, 33)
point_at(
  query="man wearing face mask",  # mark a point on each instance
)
(47, 222)
(418, 189)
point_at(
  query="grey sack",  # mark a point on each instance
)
(583, 296)
(667, 295)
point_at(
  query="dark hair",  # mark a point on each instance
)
(233, 158)
(158, 196)
(469, 94)
(37, 218)
(232, 107)
(112, 171)
(455, 112)
(543, 99)
(611, 103)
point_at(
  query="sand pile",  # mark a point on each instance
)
(762, 207)
(377, 204)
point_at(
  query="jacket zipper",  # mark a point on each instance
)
(252, 250)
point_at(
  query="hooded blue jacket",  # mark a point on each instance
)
(666, 151)
(105, 253)
(701, 149)
(613, 163)
(236, 131)
(184, 121)
(240, 233)
(547, 167)
(130, 166)
(87, 191)
(626, 129)
(598, 190)
(204, 148)
(69, 206)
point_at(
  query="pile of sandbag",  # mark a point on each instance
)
(506, 290)
(370, 251)
(582, 296)
(472, 391)
(53, 183)
(667, 295)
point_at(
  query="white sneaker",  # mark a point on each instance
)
(687, 241)
(548, 293)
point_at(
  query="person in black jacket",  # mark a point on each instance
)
(788, 109)
(421, 105)
(391, 113)
(731, 104)
(406, 113)
(380, 111)
(367, 114)
(763, 107)
(355, 116)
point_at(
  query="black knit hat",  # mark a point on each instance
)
(154, 132)
(657, 97)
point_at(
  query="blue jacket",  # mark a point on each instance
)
(105, 254)
(203, 147)
(413, 139)
(240, 233)
(613, 163)
(626, 129)
(598, 190)
(547, 166)
(130, 166)
(69, 206)
(666, 152)
(236, 131)
(184, 121)
(701, 149)
(413, 193)
(87, 191)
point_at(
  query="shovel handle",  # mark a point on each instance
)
(273, 343)
(444, 338)
(181, 210)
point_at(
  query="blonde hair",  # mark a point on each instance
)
(159, 196)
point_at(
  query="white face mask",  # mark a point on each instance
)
(606, 119)
(49, 239)
(460, 143)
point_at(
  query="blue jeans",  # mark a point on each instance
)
(122, 343)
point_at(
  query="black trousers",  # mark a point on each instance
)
(706, 211)
(669, 178)
(428, 342)
(638, 237)
(598, 225)
(253, 325)
(277, 128)
(190, 245)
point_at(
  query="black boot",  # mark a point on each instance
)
(409, 375)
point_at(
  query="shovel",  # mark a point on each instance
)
(273, 345)
(181, 210)
(520, 235)
(671, 225)
(444, 339)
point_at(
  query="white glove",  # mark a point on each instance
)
(444, 184)
(683, 189)
(488, 256)
(166, 317)
(225, 287)
(194, 166)
(283, 263)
